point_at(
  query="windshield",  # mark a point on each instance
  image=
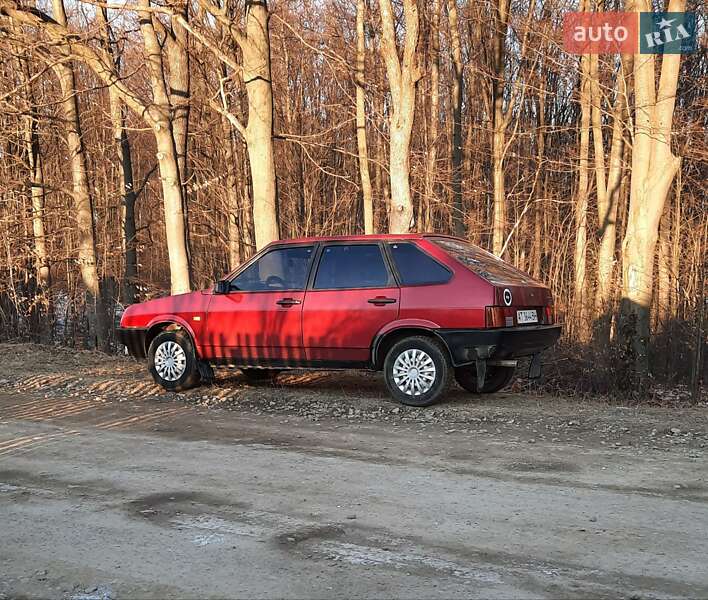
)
(483, 263)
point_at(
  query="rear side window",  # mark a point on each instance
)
(483, 263)
(351, 267)
(415, 267)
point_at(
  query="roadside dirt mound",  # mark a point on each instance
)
(60, 377)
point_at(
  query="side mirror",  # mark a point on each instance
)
(222, 286)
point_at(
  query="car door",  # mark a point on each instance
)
(259, 321)
(352, 296)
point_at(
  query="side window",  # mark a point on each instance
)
(351, 267)
(279, 269)
(415, 267)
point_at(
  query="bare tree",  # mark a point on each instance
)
(608, 189)
(581, 200)
(125, 167)
(362, 147)
(81, 194)
(36, 177)
(254, 44)
(654, 167)
(424, 207)
(458, 215)
(179, 81)
(259, 131)
(502, 111)
(161, 119)
(403, 76)
(157, 114)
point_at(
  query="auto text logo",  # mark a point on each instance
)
(629, 32)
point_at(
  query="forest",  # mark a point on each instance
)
(150, 146)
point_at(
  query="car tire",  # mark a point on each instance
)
(496, 378)
(260, 375)
(172, 361)
(417, 371)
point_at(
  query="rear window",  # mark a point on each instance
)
(415, 267)
(483, 263)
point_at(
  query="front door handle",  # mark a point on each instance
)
(381, 300)
(288, 302)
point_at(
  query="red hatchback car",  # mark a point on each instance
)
(420, 308)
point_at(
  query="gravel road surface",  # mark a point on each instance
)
(320, 486)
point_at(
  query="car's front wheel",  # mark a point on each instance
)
(417, 371)
(172, 361)
(496, 378)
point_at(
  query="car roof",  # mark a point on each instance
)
(361, 238)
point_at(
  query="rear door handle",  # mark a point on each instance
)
(381, 300)
(288, 302)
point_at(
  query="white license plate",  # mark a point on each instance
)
(526, 316)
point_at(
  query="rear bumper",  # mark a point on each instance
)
(133, 338)
(468, 345)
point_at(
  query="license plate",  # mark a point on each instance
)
(526, 316)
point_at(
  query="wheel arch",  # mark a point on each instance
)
(385, 339)
(168, 323)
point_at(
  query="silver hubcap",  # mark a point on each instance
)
(414, 372)
(170, 361)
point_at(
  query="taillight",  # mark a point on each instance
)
(550, 315)
(494, 316)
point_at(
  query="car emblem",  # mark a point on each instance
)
(507, 296)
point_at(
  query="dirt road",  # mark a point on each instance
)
(321, 487)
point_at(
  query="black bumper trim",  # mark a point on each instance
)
(468, 345)
(133, 338)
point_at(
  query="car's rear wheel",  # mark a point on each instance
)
(172, 361)
(417, 371)
(496, 378)
(260, 375)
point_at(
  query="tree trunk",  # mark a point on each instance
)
(499, 198)
(458, 213)
(537, 252)
(403, 77)
(424, 215)
(125, 168)
(83, 205)
(36, 168)
(35, 164)
(233, 199)
(172, 190)
(129, 198)
(401, 213)
(179, 99)
(653, 170)
(664, 271)
(382, 182)
(179, 91)
(501, 14)
(36, 173)
(698, 371)
(254, 44)
(249, 243)
(366, 193)
(581, 201)
(676, 250)
(259, 131)
(608, 199)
